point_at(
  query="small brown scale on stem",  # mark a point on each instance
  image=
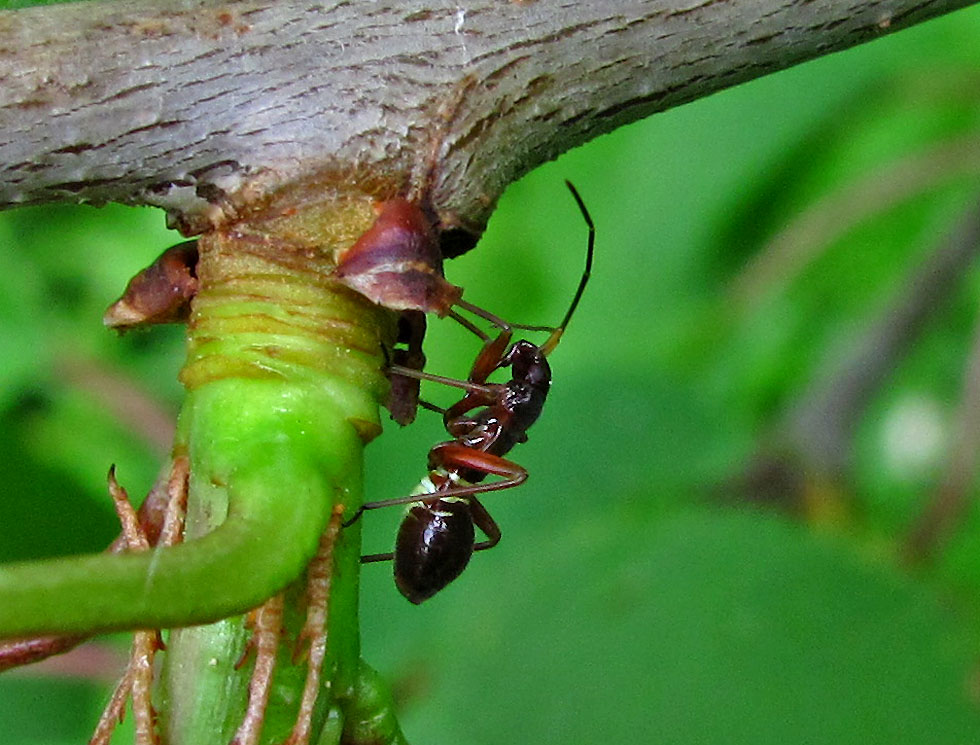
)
(397, 262)
(161, 293)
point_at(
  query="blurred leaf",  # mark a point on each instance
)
(710, 628)
(32, 509)
(736, 628)
(45, 712)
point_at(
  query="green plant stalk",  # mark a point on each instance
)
(263, 317)
(283, 378)
(265, 540)
(294, 340)
(273, 422)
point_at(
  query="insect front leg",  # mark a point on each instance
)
(477, 389)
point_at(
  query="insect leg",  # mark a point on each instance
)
(371, 558)
(450, 455)
(489, 391)
(431, 407)
(485, 522)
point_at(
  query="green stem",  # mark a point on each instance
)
(228, 571)
(283, 357)
(283, 378)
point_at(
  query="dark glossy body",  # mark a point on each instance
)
(508, 410)
(437, 536)
(436, 542)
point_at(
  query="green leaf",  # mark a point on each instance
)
(706, 627)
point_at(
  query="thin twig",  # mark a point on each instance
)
(949, 502)
(177, 488)
(820, 428)
(113, 712)
(803, 241)
(132, 406)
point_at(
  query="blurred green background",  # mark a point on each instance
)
(698, 556)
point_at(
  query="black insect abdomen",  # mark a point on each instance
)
(434, 546)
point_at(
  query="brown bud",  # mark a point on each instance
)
(161, 293)
(397, 262)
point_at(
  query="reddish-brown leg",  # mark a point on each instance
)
(450, 455)
(477, 389)
(318, 576)
(492, 355)
(488, 360)
(267, 629)
(497, 321)
(485, 522)
(468, 325)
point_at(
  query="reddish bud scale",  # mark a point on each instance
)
(397, 262)
(161, 293)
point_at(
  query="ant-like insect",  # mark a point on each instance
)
(437, 536)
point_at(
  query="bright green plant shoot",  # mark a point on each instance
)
(283, 381)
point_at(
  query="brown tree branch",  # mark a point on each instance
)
(193, 104)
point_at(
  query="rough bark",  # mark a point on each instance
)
(193, 104)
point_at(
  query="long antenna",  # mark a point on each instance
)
(555, 337)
